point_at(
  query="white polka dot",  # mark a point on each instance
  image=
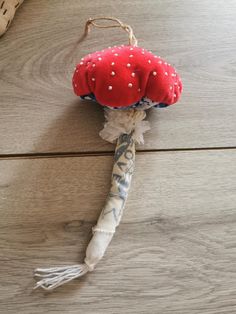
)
(165, 63)
(139, 90)
(149, 61)
(173, 74)
(133, 74)
(113, 63)
(94, 65)
(131, 48)
(110, 87)
(113, 50)
(154, 73)
(175, 83)
(75, 85)
(93, 79)
(99, 59)
(175, 95)
(171, 87)
(113, 73)
(131, 56)
(77, 71)
(109, 47)
(128, 65)
(81, 63)
(116, 55)
(155, 56)
(160, 62)
(82, 59)
(142, 52)
(166, 73)
(99, 55)
(130, 85)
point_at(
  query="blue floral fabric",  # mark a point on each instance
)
(144, 103)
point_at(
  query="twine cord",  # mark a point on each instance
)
(127, 28)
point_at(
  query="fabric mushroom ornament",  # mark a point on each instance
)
(126, 80)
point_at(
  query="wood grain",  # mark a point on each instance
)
(39, 112)
(174, 251)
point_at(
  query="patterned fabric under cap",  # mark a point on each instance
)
(144, 103)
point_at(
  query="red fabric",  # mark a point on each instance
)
(121, 76)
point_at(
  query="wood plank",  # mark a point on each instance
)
(174, 251)
(39, 112)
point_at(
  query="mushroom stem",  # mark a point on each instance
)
(108, 220)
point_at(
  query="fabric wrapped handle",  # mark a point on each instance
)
(109, 219)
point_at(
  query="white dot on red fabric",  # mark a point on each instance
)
(82, 59)
(154, 73)
(166, 73)
(130, 85)
(113, 50)
(113, 73)
(109, 87)
(113, 63)
(81, 63)
(155, 56)
(171, 87)
(131, 56)
(149, 61)
(174, 95)
(175, 83)
(165, 63)
(160, 62)
(116, 55)
(99, 59)
(94, 65)
(139, 90)
(77, 71)
(75, 85)
(131, 48)
(173, 74)
(133, 74)
(128, 65)
(143, 52)
(93, 79)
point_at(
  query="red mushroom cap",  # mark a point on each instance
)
(122, 76)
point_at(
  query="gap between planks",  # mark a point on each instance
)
(104, 153)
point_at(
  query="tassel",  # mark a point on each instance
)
(51, 278)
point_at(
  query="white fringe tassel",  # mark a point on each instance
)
(51, 278)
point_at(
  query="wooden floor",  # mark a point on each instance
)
(175, 250)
